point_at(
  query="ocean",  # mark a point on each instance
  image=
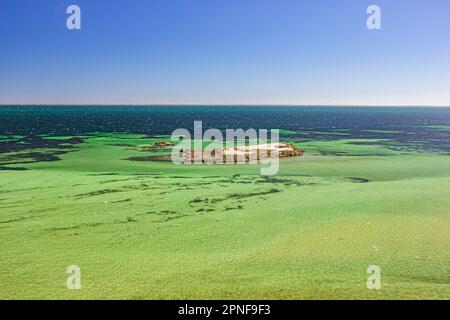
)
(427, 127)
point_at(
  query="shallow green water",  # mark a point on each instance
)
(147, 230)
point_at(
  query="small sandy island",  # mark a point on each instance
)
(251, 152)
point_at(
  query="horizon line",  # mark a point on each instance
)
(218, 105)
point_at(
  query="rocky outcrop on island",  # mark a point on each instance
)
(163, 144)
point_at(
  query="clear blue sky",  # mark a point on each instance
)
(225, 52)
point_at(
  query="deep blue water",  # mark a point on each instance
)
(155, 120)
(164, 119)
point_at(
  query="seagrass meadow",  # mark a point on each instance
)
(83, 186)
